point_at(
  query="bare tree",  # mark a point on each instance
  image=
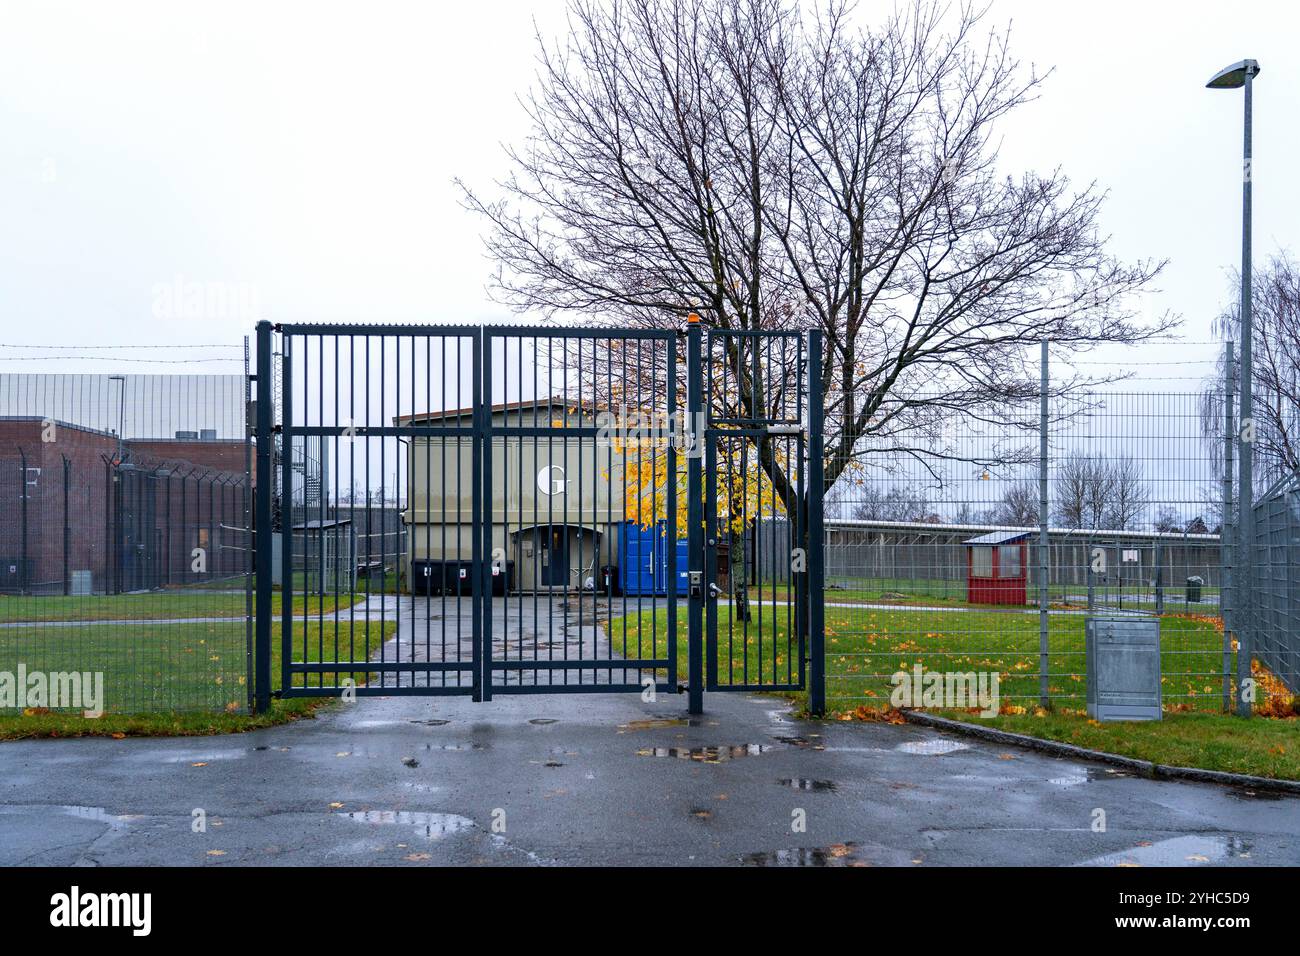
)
(1080, 492)
(872, 502)
(1098, 493)
(1275, 311)
(1018, 507)
(1129, 493)
(1168, 520)
(770, 170)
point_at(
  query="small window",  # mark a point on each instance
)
(981, 561)
(1009, 561)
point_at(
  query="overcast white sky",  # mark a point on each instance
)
(303, 156)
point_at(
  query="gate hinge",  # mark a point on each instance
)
(277, 429)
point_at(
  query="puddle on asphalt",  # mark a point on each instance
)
(432, 722)
(542, 721)
(1081, 775)
(1241, 793)
(932, 748)
(190, 757)
(98, 815)
(706, 754)
(1178, 851)
(432, 826)
(654, 723)
(455, 747)
(837, 854)
(814, 786)
(809, 742)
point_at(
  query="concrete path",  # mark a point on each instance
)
(606, 780)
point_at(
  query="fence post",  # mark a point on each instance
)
(67, 534)
(1159, 580)
(22, 567)
(694, 438)
(816, 534)
(263, 534)
(1226, 526)
(1043, 584)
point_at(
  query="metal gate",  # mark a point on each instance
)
(760, 499)
(505, 502)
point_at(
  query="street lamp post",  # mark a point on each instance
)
(1230, 78)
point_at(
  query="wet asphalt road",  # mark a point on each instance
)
(606, 780)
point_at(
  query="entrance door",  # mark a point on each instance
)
(552, 556)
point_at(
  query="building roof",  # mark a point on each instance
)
(999, 537)
(925, 527)
(523, 405)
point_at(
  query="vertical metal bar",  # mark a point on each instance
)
(816, 533)
(67, 534)
(262, 522)
(670, 592)
(22, 571)
(1043, 697)
(1246, 620)
(286, 512)
(1226, 550)
(695, 518)
(711, 534)
(481, 575)
(250, 678)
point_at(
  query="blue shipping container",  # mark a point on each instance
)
(643, 559)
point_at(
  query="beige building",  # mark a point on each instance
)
(557, 505)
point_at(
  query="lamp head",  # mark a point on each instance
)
(1232, 77)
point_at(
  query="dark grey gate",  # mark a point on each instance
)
(763, 496)
(480, 511)
(577, 438)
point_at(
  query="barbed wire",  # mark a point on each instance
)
(11, 345)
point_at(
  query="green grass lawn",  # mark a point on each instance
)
(166, 679)
(866, 646)
(154, 606)
(910, 592)
(1260, 747)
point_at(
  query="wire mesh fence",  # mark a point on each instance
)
(125, 543)
(937, 559)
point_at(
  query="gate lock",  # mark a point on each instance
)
(695, 579)
(714, 591)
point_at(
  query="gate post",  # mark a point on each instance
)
(694, 443)
(816, 533)
(263, 534)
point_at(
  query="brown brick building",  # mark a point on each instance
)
(74, 519)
